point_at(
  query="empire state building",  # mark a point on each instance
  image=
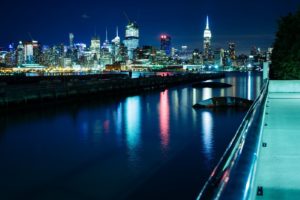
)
(207, 54)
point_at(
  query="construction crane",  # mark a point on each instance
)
(127, 17)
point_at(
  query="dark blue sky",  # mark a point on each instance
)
(246, 22)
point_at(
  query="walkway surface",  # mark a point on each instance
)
(278, 168)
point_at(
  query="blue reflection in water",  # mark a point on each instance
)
(47, 153)
(164, 119)
(119, 121)
(235, 86)
(207, 131)
(97, 130)
(133, 127)
(84, 131)
(249, 86)
(195, 96)
(175, 97)
(184, 101)
(207, 93)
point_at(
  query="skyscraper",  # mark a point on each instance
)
(207, 52)
(106, 43)
(117, 39)
(20, 54)
(71, 40)
(231, 48)
(131, 38)
(31, 52)
(165, 44)
(116, 46)
(95, 47)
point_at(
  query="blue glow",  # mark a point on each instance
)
(133, 126)
(207, 130)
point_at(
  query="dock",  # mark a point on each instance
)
(277, 174)
(18, 92)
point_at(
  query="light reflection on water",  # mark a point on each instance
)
(207, 131)
(207, 93)
(164, 119)
(118, 122)
(175, 98)
(154, 140)
(249, 86)
(133, 126)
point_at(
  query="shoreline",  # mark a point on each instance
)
(32, 92)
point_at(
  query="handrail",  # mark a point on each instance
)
(232, 178)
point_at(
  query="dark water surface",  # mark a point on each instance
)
(149, 146)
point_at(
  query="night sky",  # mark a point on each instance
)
(246, 22)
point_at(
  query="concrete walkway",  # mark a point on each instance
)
(278, 168)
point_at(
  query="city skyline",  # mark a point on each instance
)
(249, 24)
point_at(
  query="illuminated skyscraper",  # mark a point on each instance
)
(106, 43)
(116, 46)
(95, 47)
(231, 48)
(207, 52)
(31, 52)
(20, 54)
(131, 38)
(219, 57)
(165, 44)
(71, 39)
(117, 39)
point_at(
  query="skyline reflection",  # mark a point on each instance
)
(207, 131)
(164, 119)
(121, 145)
(249, 86)
(133, 126)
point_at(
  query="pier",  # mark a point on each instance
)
(277, 174)
(262, 160)
(18, 92)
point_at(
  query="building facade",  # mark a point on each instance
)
(207, 50)
(165, 44)
(131, 39)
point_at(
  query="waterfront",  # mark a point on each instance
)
(149, 146)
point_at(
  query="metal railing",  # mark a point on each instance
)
(233, 177)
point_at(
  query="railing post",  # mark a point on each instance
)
(266, 70)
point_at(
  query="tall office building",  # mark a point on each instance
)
(31, 52)
(71, 40)
(219, 57)
(106, 43)
(117, 39)
(95, 45)
(11, 47)
(116, 46)
(131, 38)
(20, 54)
(207, 52)
(231, 49)
(165, 44)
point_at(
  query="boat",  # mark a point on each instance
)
(223, 102)
(211, 85)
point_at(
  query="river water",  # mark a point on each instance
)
(147, 146)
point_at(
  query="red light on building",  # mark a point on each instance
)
(163, 36)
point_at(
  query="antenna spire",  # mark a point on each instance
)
(207, 22)
(106, 34)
